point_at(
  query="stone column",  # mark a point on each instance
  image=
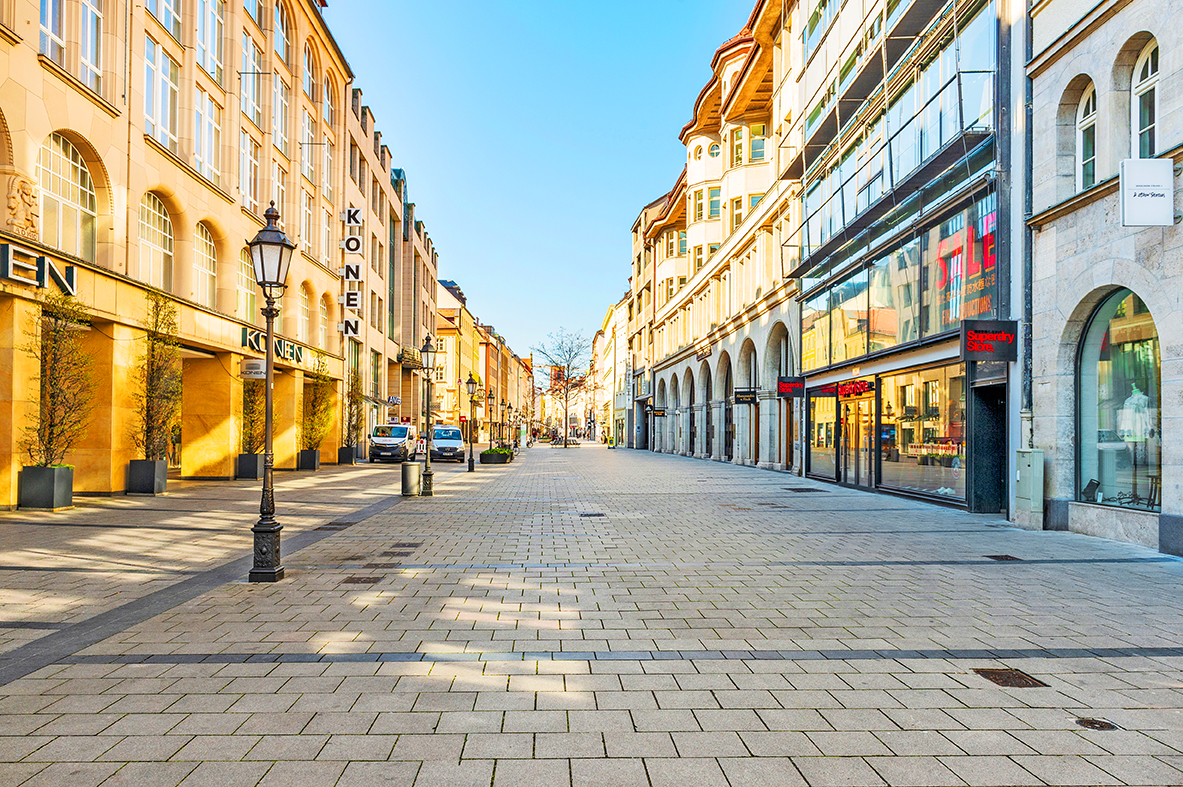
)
(332, 441)
(288, 398)
(19, 390)
(771, 438)
(742, 417)
(211, 416)
(700, 424)
(717, 425)
(100, 458)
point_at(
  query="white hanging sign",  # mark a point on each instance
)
(1147, 192)
(352, 244)
(350, 327)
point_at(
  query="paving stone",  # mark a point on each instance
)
(761, 772)
(701, 772)
(531, 773)
(609, 773)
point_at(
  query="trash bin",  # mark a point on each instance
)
(411, 476)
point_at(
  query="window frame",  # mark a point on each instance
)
(52, 29)
(74, 174)
(207, 136)
(165, 252)
(1140, 87)
(211, 32)
(90, 43)
(1086, 127)
(161, 123)
(205, 267)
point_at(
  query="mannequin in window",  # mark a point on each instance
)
(1133, 420)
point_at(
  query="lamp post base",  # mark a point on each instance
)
(425, 488)
(265, 574)
(471, 464)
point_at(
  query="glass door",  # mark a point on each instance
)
(858, 424)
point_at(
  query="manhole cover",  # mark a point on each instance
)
(407, 544)
(1003, 558)
(804, 490)
(360, 580)
(590, 515)
(381, 565)
(396, 554)
(1096, 724)
(1011, 678)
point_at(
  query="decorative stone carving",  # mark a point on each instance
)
(24, 208)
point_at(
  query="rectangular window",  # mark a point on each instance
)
(253, 10)
(207, 127)
(848, 319)
(669, 244)
(211, 15)
(162, 79)
(736, 147)
(757, 134)
(168, 14)
(375, 374)
(714, 203)
(753, 201)
(307, 149)
(815, 331)
(354, 157)
(681, 242)
(53, 43)
(279, 115)
(698, 205)
(91, 44)
(279, 181)
(711, 249)
(246, 288)
(697, 257)
(326, 175)
(306, 223)
(736, 213)
(326, 236)
(922, 431)
(251, 80)
(248, 171)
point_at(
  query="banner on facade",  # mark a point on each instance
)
(790, 387)
(989, 340)
(745, 396)
(1147, 192)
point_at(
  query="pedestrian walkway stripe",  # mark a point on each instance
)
(750, 564)
(952, 654)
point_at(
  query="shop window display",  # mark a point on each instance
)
(922, 431)
(1119, 406)
(822, 424)
(959, 269)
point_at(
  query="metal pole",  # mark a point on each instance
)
(471, 436)
(266, 531)
(425, 489)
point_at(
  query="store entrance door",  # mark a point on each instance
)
(858, 429)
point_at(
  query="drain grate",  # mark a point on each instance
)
(407, 544)
(396, 554)
(381, 565)
(802, 490)
(335, 526)
(591, 515)
(1003, 558)
(1096, 724)
(360, 580)
(1011, 678)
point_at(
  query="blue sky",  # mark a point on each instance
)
(532, 134)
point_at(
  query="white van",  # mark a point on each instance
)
(392, 441)
(447, 442)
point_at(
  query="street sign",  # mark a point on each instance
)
(352, 217)
(393, 400)
(989, 340)
(352, 244)
(790, 387)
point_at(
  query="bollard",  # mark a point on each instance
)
(411, 478)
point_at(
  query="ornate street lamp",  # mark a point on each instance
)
(471, 386)
(508, 423)
(271, 254)
(428, 353)
(489, 404)
(501, 425)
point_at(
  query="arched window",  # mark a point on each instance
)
(305, 325)
(1086, 140)
(246, 288)
(1144, 106)
(282, 39)
(205, 268)
(328, 110)
(156, 243)
(68, 203)
(324, 323)
(1118, 411)
(309, 74)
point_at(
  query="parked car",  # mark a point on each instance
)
(447, 442)
(395, 442)
(1108, 440)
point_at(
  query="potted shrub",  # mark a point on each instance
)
(157, 396)
(354, 420)
(66, 399)
(496, 456)
(316, 413)
(250, 461)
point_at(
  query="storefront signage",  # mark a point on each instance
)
(790, 387)
(703, 351)
(856, 387)
(745, 395)
(351, 271)
(24, 266)
(253, 369)
(659, 412)
(351, 217)
(284, 350)
(352, 245)
(351, 300)
(989, 340)
(1147, 192)
(394, 400)
(350, 327)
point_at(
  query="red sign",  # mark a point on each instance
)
(989, 340)
(790, 387)
(856, 387)
(463, 418)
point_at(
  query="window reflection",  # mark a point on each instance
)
(922, 431)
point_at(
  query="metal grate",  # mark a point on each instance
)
(1003, 558)
(1096, 724)
(360, 580)
(1011, 678)
(396, 554)
(591, 515)
(407, 544)
(334, 526)
(801, 490)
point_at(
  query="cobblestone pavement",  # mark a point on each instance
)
(607, 617)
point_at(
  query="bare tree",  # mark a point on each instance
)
(567, 356)
(316, 414)
(157, 379)
(355, 410)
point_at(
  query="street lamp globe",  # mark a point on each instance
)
(271, 254)
(471, 386)
(428, 352)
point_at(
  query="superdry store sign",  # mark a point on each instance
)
(989, 340)
(790, 387)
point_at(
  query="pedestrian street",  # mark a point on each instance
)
(612, 617)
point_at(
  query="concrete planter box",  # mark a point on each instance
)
(346, 455)
(47, 487)
(249, 466)
(495, 459)
(309, 459)
(147, 476)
